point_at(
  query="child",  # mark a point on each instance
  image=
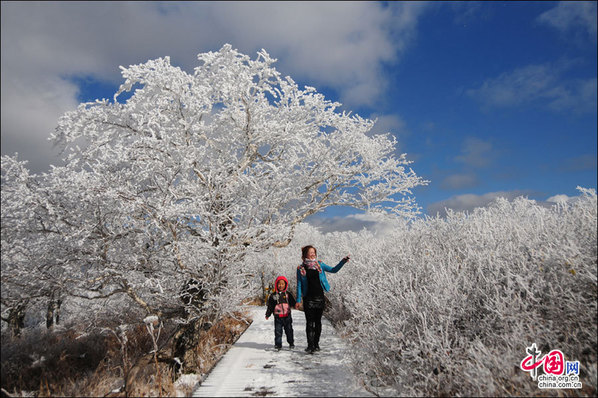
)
(280, 304)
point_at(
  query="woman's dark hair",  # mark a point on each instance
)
(305, 249)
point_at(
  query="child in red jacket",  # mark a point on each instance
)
(280, 303)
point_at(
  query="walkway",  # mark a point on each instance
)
(252, 367)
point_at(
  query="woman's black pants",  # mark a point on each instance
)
(313, 308)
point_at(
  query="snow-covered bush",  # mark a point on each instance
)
(448, 306)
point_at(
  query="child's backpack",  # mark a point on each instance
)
(281, 310)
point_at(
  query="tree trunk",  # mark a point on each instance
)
(184, 344)
(16, 318)
(53, 311)
(263, 288)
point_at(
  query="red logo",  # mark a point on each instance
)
(554, 362)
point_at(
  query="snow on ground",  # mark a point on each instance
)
(252, 367)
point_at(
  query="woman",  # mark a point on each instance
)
(311, 285)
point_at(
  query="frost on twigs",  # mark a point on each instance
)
(151, 320)
(176, 185)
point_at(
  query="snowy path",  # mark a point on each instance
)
(253, 368)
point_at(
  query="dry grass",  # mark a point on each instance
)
(50, 363)
(69, 363)
(217, 341)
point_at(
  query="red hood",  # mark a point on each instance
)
(285, 281)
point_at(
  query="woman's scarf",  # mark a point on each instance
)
(309, 264)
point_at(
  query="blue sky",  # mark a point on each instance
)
(487, 98)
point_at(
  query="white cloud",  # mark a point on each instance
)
(559, 199)
(30, 111)
(475, 153)
(393, 124)
(468, 202)
(538, 84)
(570, 16)
(578, 95)
(459, 181)
(513, 88)
(376, 223)
(339, 45)
(562, 198)
(466, 11)
(579, 163)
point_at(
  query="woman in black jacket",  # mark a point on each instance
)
(311, 285)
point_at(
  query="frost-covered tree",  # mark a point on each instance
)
(175, 186)
(31, 246)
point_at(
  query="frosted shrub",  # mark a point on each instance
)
(448, 306)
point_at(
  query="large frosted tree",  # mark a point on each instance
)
(195, 170)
